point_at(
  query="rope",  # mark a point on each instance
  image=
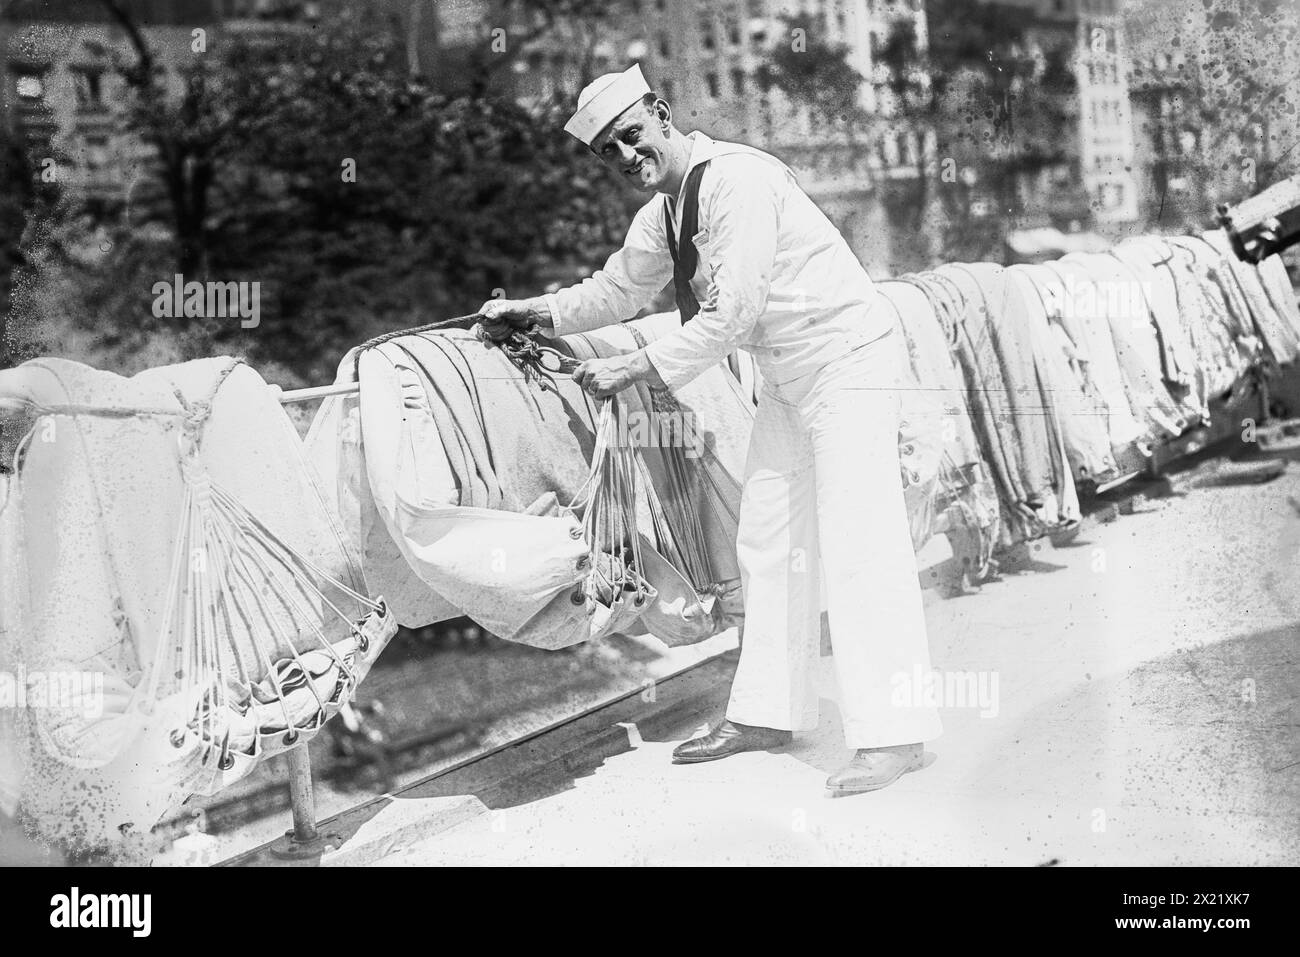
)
(607, 500)
(678, 527)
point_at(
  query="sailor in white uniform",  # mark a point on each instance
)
(756, 265)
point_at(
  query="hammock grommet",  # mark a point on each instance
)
(227, 761)
(575, 532)
(177, 738)
(290, 739)
(578, 597)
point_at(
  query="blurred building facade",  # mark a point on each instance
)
(1167, 139)
(708, 60)
(1094, 185)
(1135, 151)
(61, 95)
(1215, 95)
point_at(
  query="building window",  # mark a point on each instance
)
(668, 90)
(665, 49)
(30, 86)
(96, 152)
(738, 81)
(89, 89)
(711, 80)
(706, 32)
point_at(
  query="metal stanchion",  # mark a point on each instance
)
(301, 797)
(305, 840)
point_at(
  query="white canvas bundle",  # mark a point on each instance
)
(164, 535)
(452, 473)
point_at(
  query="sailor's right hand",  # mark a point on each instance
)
(500, 317)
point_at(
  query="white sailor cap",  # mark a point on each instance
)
(603, 100)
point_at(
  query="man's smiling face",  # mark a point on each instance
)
(635, 146)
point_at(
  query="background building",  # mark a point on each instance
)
(1155, 127)
(1216, 103)
(710, 60)
(61, 94)
(1094, 185)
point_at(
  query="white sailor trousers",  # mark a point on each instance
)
(822, 478)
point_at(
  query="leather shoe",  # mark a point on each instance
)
(874, 768)
(729, 738)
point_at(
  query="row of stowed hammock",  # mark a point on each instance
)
(1071, 373)
(182, 596)
(166, 532)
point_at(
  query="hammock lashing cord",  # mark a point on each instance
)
(521, 348)
(231, 558)
(229, 573)
(607, 501)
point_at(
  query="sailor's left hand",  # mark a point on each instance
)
(604, 377)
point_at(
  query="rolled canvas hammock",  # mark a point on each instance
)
(467, 475)
(1014, 419)
(164, 533)
(1083, 410)
(960, 501)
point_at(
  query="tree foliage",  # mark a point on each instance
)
(360, 197)
(16, 192)
(816, 72)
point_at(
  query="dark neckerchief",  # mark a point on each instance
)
(687, 259)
